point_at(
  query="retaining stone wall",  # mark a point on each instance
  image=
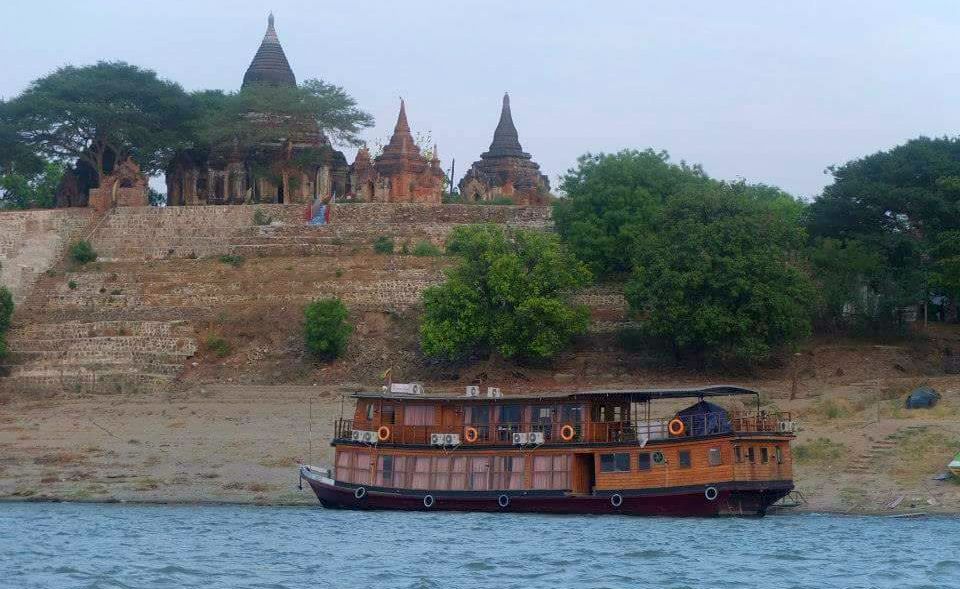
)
(32, 241)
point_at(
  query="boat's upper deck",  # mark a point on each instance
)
(585, 417)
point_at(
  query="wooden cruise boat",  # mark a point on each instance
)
(587, 452)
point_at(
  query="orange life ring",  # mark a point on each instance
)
(676, 427)
(383, 434)
(567, 432)
(471, 434)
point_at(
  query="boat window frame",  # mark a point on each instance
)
(684, 459)
(640, 461)
(778, 454)
(715, 456)
(751, 455)
(618, 463)
(764, 455)
(737, 454)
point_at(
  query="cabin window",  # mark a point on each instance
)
(441, 474)
(543, 421)
(353, 467)
(510, 419)
(764, 455)
(737, 456)
(508, 472)
(478, 416)
(388, 414)
(572, 414)
(714, 458)
(369, 411)
(418, 415)
(644, 462)
(480, 473)
(421, 472)
(458, 474)
(551, 472)
(750, 455)
(391, 471)
(778, 453)
(386, 469)
(685, 459)
(614, 462)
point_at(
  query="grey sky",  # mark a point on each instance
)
(769, 91)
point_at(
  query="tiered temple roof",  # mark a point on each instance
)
(270, 65)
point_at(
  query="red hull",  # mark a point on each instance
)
(730, 499)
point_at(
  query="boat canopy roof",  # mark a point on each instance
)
(637, 395)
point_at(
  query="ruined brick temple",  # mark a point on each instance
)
(296, 169)
(505, 170)
(401, 173)
(304, 165)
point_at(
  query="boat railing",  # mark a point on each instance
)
(637, 430)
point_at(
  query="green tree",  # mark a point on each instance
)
(946, 268)
(268, 114)
(325, 328)
(900, 201)
(102, 113)
(509, 294)
(19, 191)
(720, 279)
(848, 273)
(6, 313)
(611, 203)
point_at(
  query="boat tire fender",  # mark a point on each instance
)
(616, 500)
(428, 501)
(711, 493)
(360, 492)
(503, 501)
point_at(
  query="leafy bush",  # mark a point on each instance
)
(325, 328)
(218, 345)
(6, 313)
(82, 252)
(509, 294)
(426, 249)
(261, 218)
(72, 285)
(234, 260)
(383, 245)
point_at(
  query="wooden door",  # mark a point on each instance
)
(582, 475)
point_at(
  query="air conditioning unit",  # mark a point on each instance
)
(787, 426)
(520, 439)
(494, 392)
(444, 439)
(535, 438)
(406, 388)
(473, 391)
(364, 436)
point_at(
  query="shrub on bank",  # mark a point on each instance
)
(6, 312)
(426, 249)
(218, 345)
(383, 245)
(82, 252)
(325, 328)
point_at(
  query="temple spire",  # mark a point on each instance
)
(506, 140)
(271, 34)
(270, 65)
(402, 125)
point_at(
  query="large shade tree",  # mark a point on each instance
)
(612, 200)
(898, 203)
(263, 113)
(101, 113)
(720, 277)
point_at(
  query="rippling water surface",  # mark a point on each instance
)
(121, 546)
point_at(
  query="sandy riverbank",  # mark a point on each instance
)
(241, 444)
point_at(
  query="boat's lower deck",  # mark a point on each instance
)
(735, 498)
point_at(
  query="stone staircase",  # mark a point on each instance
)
(98, 356)
(866, 462)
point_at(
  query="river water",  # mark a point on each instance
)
(150, 547)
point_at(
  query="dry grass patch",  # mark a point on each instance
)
(822, 452)
(278, 462)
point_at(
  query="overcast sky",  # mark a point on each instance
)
(772, 92)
